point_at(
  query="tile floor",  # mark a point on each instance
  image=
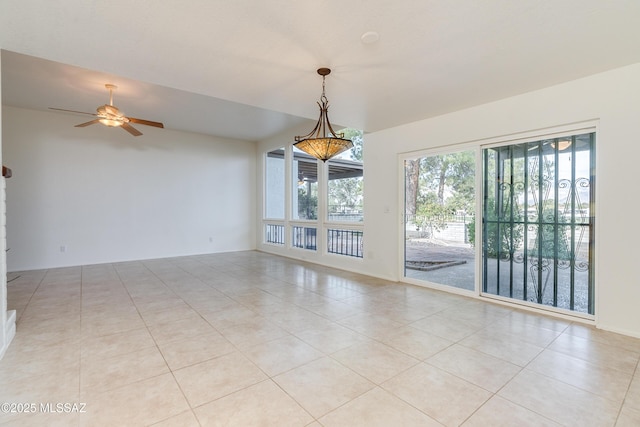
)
(248, 338)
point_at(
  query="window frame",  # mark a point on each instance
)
(291, 224)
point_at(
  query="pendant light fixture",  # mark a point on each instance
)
(562, 144)
(323, 142)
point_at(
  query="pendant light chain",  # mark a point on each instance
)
(323, 97)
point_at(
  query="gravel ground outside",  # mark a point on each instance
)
(463, 275)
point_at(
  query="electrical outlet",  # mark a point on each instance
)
(63, 248)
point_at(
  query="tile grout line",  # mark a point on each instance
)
(624, 399)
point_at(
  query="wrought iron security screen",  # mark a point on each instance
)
(538, 222)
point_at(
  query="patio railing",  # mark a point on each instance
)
(274, 233)
(345, 242)
(304, 238)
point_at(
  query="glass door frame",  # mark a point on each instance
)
(479, 145)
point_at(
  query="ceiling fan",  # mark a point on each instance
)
(111, 116)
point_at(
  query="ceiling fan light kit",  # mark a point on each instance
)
(109, 115)
(323, 142)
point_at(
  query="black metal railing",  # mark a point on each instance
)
(274, 233)
(345, 242)
(349, 213)
(345, 217)
(304, 238)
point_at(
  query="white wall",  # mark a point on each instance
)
(611, 98)
(107, 196)
(7, 318)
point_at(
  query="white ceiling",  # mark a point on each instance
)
(246, 68)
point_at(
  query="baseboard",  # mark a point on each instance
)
(626, 332)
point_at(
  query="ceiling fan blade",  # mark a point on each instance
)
(146, 122)
(133, 131)
(72, 111)
(81, 125)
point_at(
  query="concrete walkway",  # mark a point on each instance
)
(463, 276)
(460, 276)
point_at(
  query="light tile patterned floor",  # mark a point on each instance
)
(247, 338)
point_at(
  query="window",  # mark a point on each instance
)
(274, 203)
(344, 242)
(345, 214)
(323, 210)
(538, 222)
(344, 184)
(274, 184)
(304, 238)
(274, 233)
(305, 186)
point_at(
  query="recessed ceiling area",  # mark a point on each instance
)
(36, 83)
(247, 69)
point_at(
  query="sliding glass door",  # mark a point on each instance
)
(538, 222)
(439, 219)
